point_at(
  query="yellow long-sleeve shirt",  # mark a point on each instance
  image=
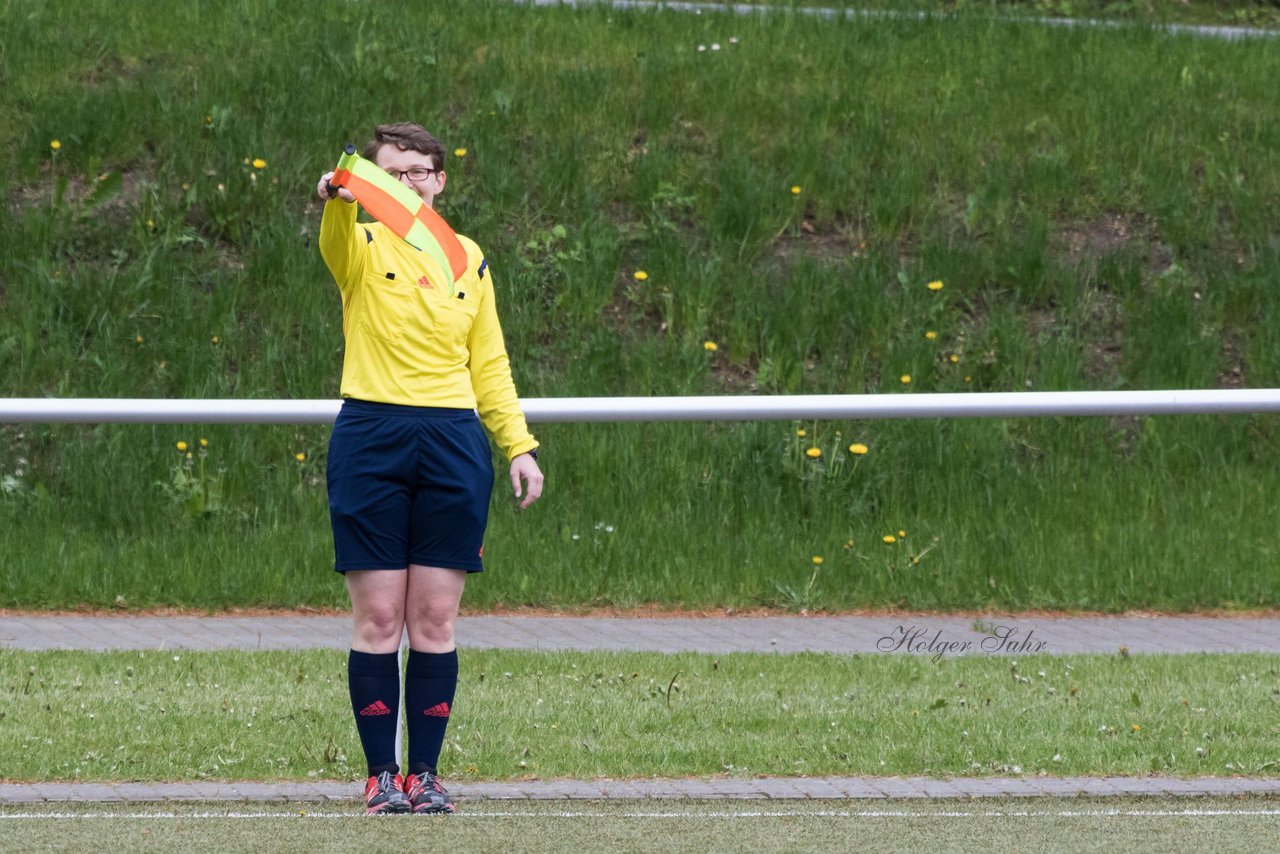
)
(412, 342)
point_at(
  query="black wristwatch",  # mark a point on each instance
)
(533, 452)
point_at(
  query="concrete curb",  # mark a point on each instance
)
(715, 789)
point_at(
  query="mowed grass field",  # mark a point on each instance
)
(273, 716)
(1157, 824)
(671, 204)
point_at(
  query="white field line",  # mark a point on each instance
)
(715, 814)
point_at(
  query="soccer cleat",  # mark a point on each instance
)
(427, 795)
(384, 794)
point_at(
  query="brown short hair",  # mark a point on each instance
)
(406, 136)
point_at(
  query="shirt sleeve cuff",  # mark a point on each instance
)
(522, 448)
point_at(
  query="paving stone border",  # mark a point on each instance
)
(896, 634)
(714, 789)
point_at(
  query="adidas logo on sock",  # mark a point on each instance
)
(439, 710)
(376, 708)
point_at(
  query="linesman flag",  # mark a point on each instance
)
(402, 211)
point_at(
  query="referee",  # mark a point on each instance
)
(409, 469)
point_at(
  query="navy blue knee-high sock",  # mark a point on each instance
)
(374, 681)
(429, 684)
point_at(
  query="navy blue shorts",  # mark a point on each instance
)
(408, 484)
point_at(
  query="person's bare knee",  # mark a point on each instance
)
(378, 630)
(377, 609)
(431, 624)
(431, 609)
(426, 635)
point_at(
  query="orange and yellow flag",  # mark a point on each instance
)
(402, 211)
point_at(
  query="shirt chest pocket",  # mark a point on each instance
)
(386, 306)
(451, 316)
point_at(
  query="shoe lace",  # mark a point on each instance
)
(386, 782)
(425, 782)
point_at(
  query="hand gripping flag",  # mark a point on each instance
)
(401, 210)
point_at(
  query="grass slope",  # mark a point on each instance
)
(1097, 206)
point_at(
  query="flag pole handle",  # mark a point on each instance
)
(329, 187)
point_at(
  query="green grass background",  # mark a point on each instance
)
(1098, 204)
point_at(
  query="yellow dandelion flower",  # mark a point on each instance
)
(905, 379)
(640, 275)
(1136, 728)
(182, 447)
(795, 191)
(151, 225)
(137, 339)
(968, 379)
(802, 433)
(710, 345)
(215, 340)
(204, 443)
(954, 358)
(935, 285)
(931, 335)
(56, 145)
(189, 455)
(459, 152)
(902, 534)
(889, 539)
(300, 457)
(817, 560)
(259, 163)
(858, 449)
(813, 453)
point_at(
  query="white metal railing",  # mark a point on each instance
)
(720, 408)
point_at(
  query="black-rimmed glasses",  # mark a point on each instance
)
(417, 173)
